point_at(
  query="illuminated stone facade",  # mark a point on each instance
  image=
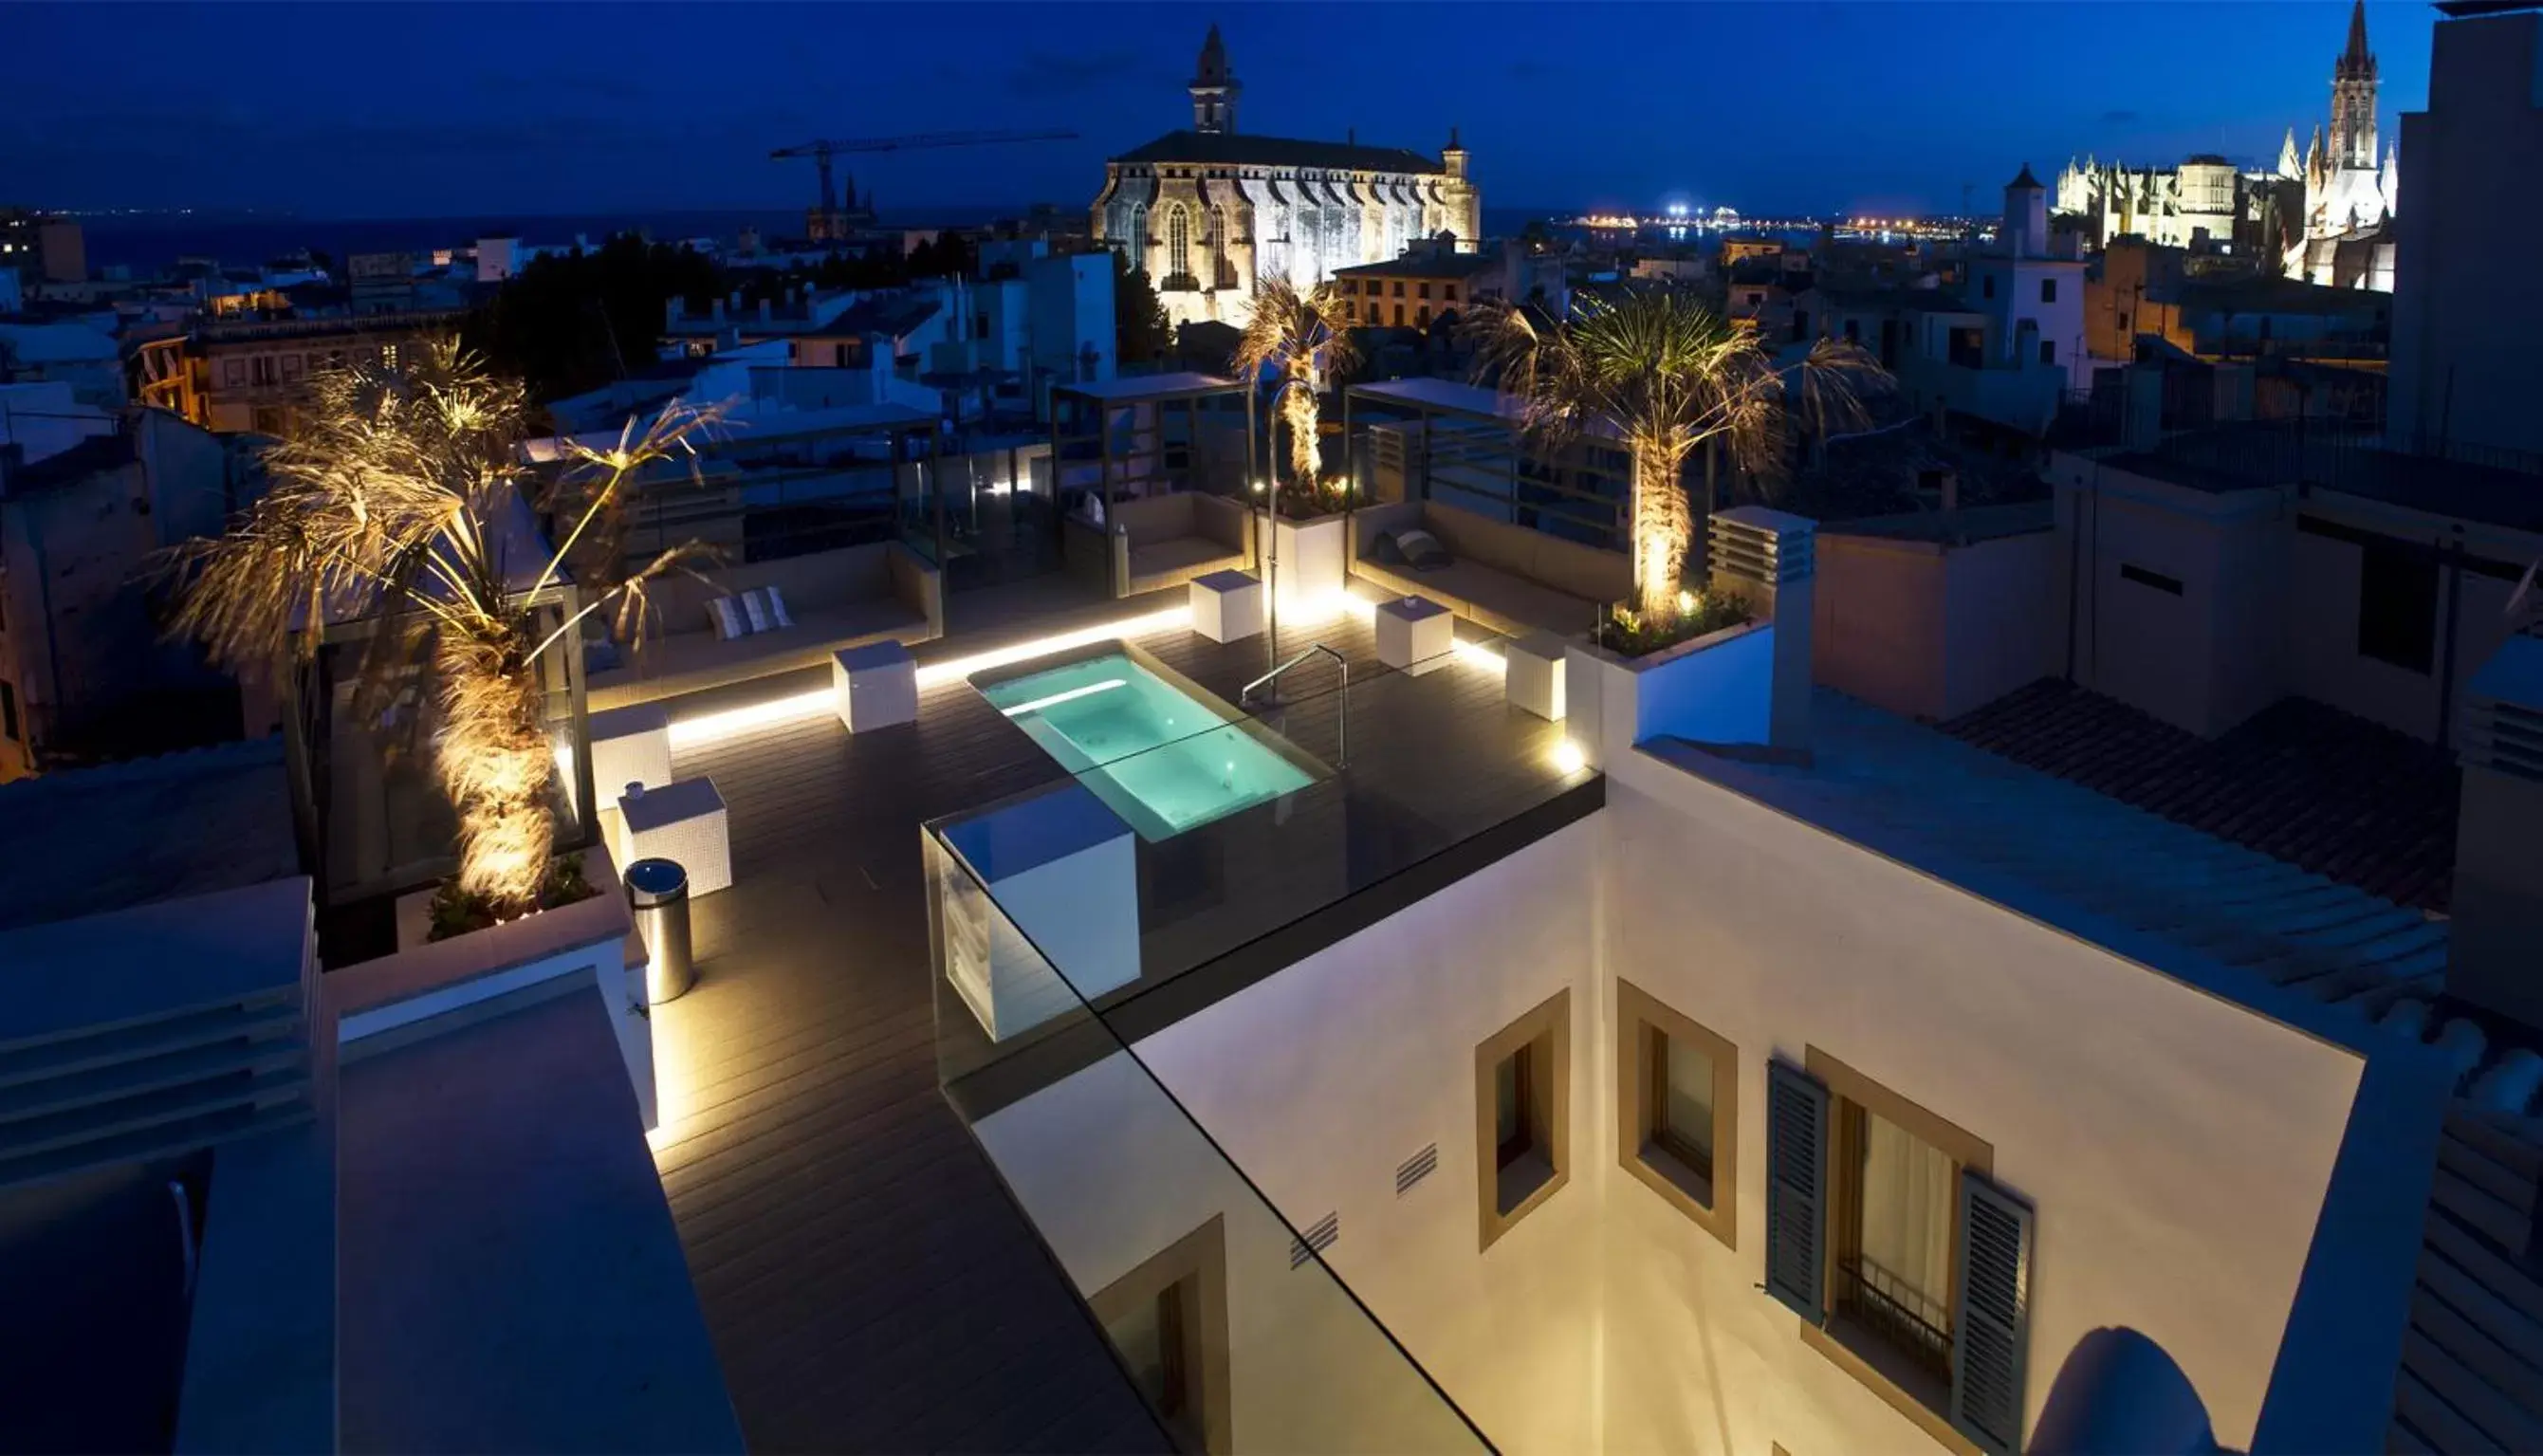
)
(1207, 210)
(2322, 216)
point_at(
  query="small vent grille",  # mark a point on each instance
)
(1416, 1167)
(1769, 547)
(1321, 1236)
(2506, 736)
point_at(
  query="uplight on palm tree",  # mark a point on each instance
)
(1659, 374)
(399, 502)
(1301, 334)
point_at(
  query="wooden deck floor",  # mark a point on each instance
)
(869, 1284)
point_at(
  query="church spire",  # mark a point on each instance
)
(1213, 87)
(2356, 58)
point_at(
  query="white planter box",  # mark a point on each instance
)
(685, 822)
(1532, 675)
(874, 686)
(1715, 689)
(430, 979)
(1312, 560)
(1413, 633)
(629, 745)
(1227, 606)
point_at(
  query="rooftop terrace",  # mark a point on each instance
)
(868, 1283)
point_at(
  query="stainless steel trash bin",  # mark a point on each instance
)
(658, 892)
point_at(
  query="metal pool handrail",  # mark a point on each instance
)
(1341, 733)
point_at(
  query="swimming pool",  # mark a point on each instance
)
(1146, 747)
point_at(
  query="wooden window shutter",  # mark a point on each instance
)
(1992, 1327)
(1796, 1131)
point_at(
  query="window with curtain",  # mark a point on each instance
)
(1895, 1258)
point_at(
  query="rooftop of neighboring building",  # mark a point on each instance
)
(1958, 526)
(1243, 149)
(2334, 794)
(1905, 297)
(100, 839)
(2326, 456)
(1426, 263)
(520, 1284)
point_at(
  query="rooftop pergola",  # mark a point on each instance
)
(1118, 426)
(1471, 456)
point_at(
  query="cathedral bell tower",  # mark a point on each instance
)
(2353, 100)
(1215, 88)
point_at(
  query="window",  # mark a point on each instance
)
(1420, 290)
(1422, 318)
(261, 369)
(2048, 290)
(291, 368)
(1853, 331)
(2123, 324)
(9, 712)
(1399, 311)
(2049, 351)
(1909, 1267)
(1677, 1110)
(1448, 292)
(1178, 243)
(1522, 1114)
(234, 373)
(1168, 1319)
(2397, 603)
(1986, 287)
(1399, 287)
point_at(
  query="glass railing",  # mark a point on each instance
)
(1225, 1318)
(1153, 878)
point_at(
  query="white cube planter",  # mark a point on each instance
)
(1312, 565)
(685, 822)
(1714, 689)
(874, 686)
(1413, 633)
(1532, 675)
(1227, 606)
(629, 745)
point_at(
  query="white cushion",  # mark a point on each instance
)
(754, 605)
(729, 623)
(776, 606)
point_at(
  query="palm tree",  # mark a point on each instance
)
(1657, 372)
(399, 502)
(1302, 336)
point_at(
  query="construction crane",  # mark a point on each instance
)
(824, 221)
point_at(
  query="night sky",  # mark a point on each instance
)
(349, 111)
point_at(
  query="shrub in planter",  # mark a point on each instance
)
(457, 911)
(1627, 632)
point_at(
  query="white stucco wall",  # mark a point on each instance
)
(1322, 1079)
(2176, 1146)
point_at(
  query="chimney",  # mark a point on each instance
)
(2495, 956)
(1770, 556)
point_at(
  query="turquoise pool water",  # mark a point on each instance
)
(1161, 758)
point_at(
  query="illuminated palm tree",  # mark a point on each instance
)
(1659, 374)
(399, 502)
(1302, 336)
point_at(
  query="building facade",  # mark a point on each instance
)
(2352, 189)
(2469, 298)
(1208, 210)
(2321, 214)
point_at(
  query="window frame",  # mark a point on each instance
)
(1710, 1200)
(1199, 1257)
(1544, 1028)
(1845, 1343)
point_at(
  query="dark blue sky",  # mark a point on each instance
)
(393, 111)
